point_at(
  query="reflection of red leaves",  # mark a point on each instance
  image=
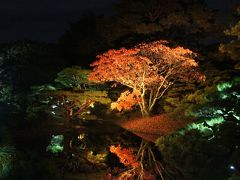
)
(125, 156)
(133, 170)
(127, 100)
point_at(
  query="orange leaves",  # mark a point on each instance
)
(134, 169)
(125, 156)
(149, 68)
(116, 65)
(127, 100)
(145, 64)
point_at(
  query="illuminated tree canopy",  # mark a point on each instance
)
(73, 77)
(148, 68)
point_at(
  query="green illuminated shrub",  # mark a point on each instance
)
(225, 102)
(202, 151)
(73, 77)
(208, 148)
(56, 144)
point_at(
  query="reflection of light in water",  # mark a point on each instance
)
(53, 113)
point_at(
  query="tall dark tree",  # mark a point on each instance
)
(174, 19)
(82, 42)
(134, 22)
(232, 48)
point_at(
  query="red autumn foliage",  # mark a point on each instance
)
(149, 68)
(125, 155)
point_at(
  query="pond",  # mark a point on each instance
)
(46, 149)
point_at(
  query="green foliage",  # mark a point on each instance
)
(20, 62)
(197, 153)
(216, 100)
(58, 103)
(39, 101)
(7, 96)
(7, 157)
(81, 97)
(225, 102)
(206, 127)
(56, 144)
(207, 149)
(74, 77)
(24, 64)
(42, 88)
(224, 86)
(12, 98)
(185, 98)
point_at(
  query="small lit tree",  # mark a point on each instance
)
(149, 69)
(74, 78)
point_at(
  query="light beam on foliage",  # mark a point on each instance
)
(149, 69)
(56, 144)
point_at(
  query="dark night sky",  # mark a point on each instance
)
(46, 20)
(43, 20)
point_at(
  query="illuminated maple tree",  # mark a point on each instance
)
(148, 68)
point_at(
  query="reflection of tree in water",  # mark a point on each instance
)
(85, 150)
